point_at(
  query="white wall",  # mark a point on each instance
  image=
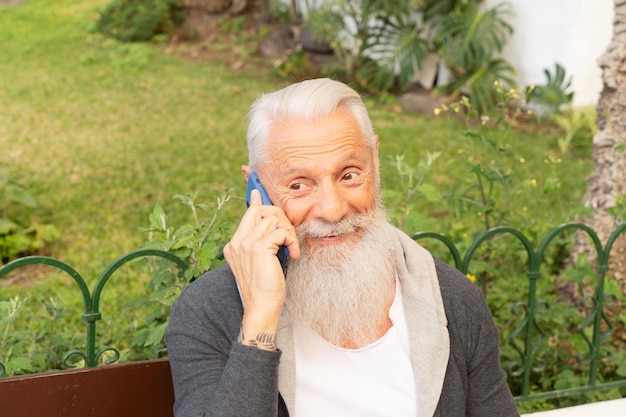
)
(573, 33)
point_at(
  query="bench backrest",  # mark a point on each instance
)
(135, 389)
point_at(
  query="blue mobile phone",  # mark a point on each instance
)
(254, 183)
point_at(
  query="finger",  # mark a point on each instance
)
(255, 198)
(275, 231)
(293, 245)
(255, 212)
(290, 240)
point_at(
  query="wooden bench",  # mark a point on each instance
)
(138, 389)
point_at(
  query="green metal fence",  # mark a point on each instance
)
(91, 300)
(533, 306)
(532, 335)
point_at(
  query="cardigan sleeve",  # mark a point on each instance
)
(475, 384)
(212, 374)
(488, 392)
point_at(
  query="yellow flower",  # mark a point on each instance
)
(437, 111)
(471, 277)
(553, 341)
(522, 160)
(533, 182)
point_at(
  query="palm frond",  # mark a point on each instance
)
(390, 8)
(433, 8)
(324, 24)
(468, 40)
(394, 49)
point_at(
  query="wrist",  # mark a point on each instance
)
(264, 340)
(259, 326)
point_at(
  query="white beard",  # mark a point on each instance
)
(343, 291)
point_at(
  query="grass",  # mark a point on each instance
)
(101, 131)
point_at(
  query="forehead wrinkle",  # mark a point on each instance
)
(349, 127)
(291, 166)
(294, 144)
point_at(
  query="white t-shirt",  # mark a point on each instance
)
(374, 381)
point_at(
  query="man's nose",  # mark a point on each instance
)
(330, 204)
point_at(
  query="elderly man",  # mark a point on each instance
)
(362, 321)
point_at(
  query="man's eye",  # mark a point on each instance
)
(296, 186)
(349, 176)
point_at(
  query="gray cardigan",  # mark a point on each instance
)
(214, 376)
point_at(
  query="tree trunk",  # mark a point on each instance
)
(607, 182)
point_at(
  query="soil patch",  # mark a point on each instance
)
(25, 276)
(234, 39)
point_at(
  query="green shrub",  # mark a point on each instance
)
(378, 43)
(553, 97)
(381, 44)
(41, 344)
(198, 243)
(469, 41)
(19, 234)
(139, 20)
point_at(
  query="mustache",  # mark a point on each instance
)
(320, 228)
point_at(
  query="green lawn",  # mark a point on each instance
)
(101, 131)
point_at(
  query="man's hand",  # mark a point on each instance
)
(251, 254)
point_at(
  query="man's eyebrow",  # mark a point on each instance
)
(354, 156)
(292, 170)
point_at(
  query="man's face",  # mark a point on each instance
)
(321, 172)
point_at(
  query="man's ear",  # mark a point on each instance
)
(245, 170)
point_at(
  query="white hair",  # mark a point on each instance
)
(308, 100)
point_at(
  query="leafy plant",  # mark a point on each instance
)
(394, 52)
(295, 66)
(382, 44)
(468, 41)
(402, 204)
(8, 313)
(377, 42)
(197, 243)
(139, 20)
(280, 10)
(488, 190)
(554, 96)
(42, 346)
(230, 24)
(578, 125)
(19, 234)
